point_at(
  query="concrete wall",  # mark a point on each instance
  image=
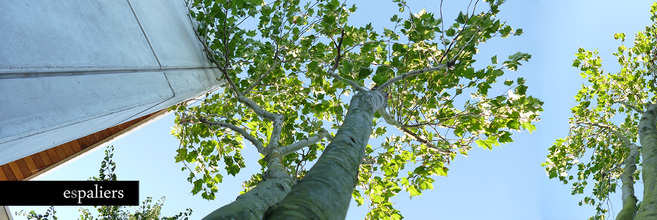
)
(69, 68)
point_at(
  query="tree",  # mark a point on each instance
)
(147, 210)
(290, 67)
(614, 110)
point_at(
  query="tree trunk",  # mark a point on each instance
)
(629, 199)
(253, 204)
(648, 139)
(325, 191)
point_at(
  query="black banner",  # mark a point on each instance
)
(69, 193)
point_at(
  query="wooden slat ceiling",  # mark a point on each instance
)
(26, 167)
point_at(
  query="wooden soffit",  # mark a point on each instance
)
(37, 164)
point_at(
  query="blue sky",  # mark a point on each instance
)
(505, 183)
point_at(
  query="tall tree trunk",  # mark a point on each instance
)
(629, 199)
(253, 204)
(648, 138)
(325, 191)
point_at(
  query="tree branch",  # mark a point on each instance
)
(336, 63)
(622, 163)
(353, 84)
(629, 106)
(613, 130)
(409, 74)
(208, 52)
(244, 133)
(388, 118)
(239, 95)
(457, 55)
(276, 119)
(425, 142)
(304, 143)
(368, 161)
(257, 82)
(257, 109)
(232, 84)
(275, 133)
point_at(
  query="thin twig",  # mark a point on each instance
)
(388, 118)
(629, 106)
(336, 63)
(613, 130)
(257, 82)
(409, 74)
(244, 133)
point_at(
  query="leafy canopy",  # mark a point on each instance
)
(605, 121)
(303, 60)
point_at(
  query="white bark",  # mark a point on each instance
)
(629, 199)
(648, 138)
(276, 180)
(276, 184)
(257, 109)
(253, 204)
(325, 191)
(304, 143)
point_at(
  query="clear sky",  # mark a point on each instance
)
(505, 183)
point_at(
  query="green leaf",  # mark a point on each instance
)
(412, 191)
(505, 31)
(486, 144)
(518, 32)
(505, 138)
(364, 73)
(404, 181)
(376, 198)
(508, 82)
(426, 185)
(461, 18)
(513, 124)
(619, 36)
(380, 78)
(528, 126)
(191, 157)
(450, 32)
(218, 178)
(442, 171)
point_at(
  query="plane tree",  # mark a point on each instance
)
(612, 125)
(302, 84)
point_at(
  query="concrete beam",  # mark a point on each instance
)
(58, 35)
(69, 68)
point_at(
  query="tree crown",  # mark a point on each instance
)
(290, 67)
